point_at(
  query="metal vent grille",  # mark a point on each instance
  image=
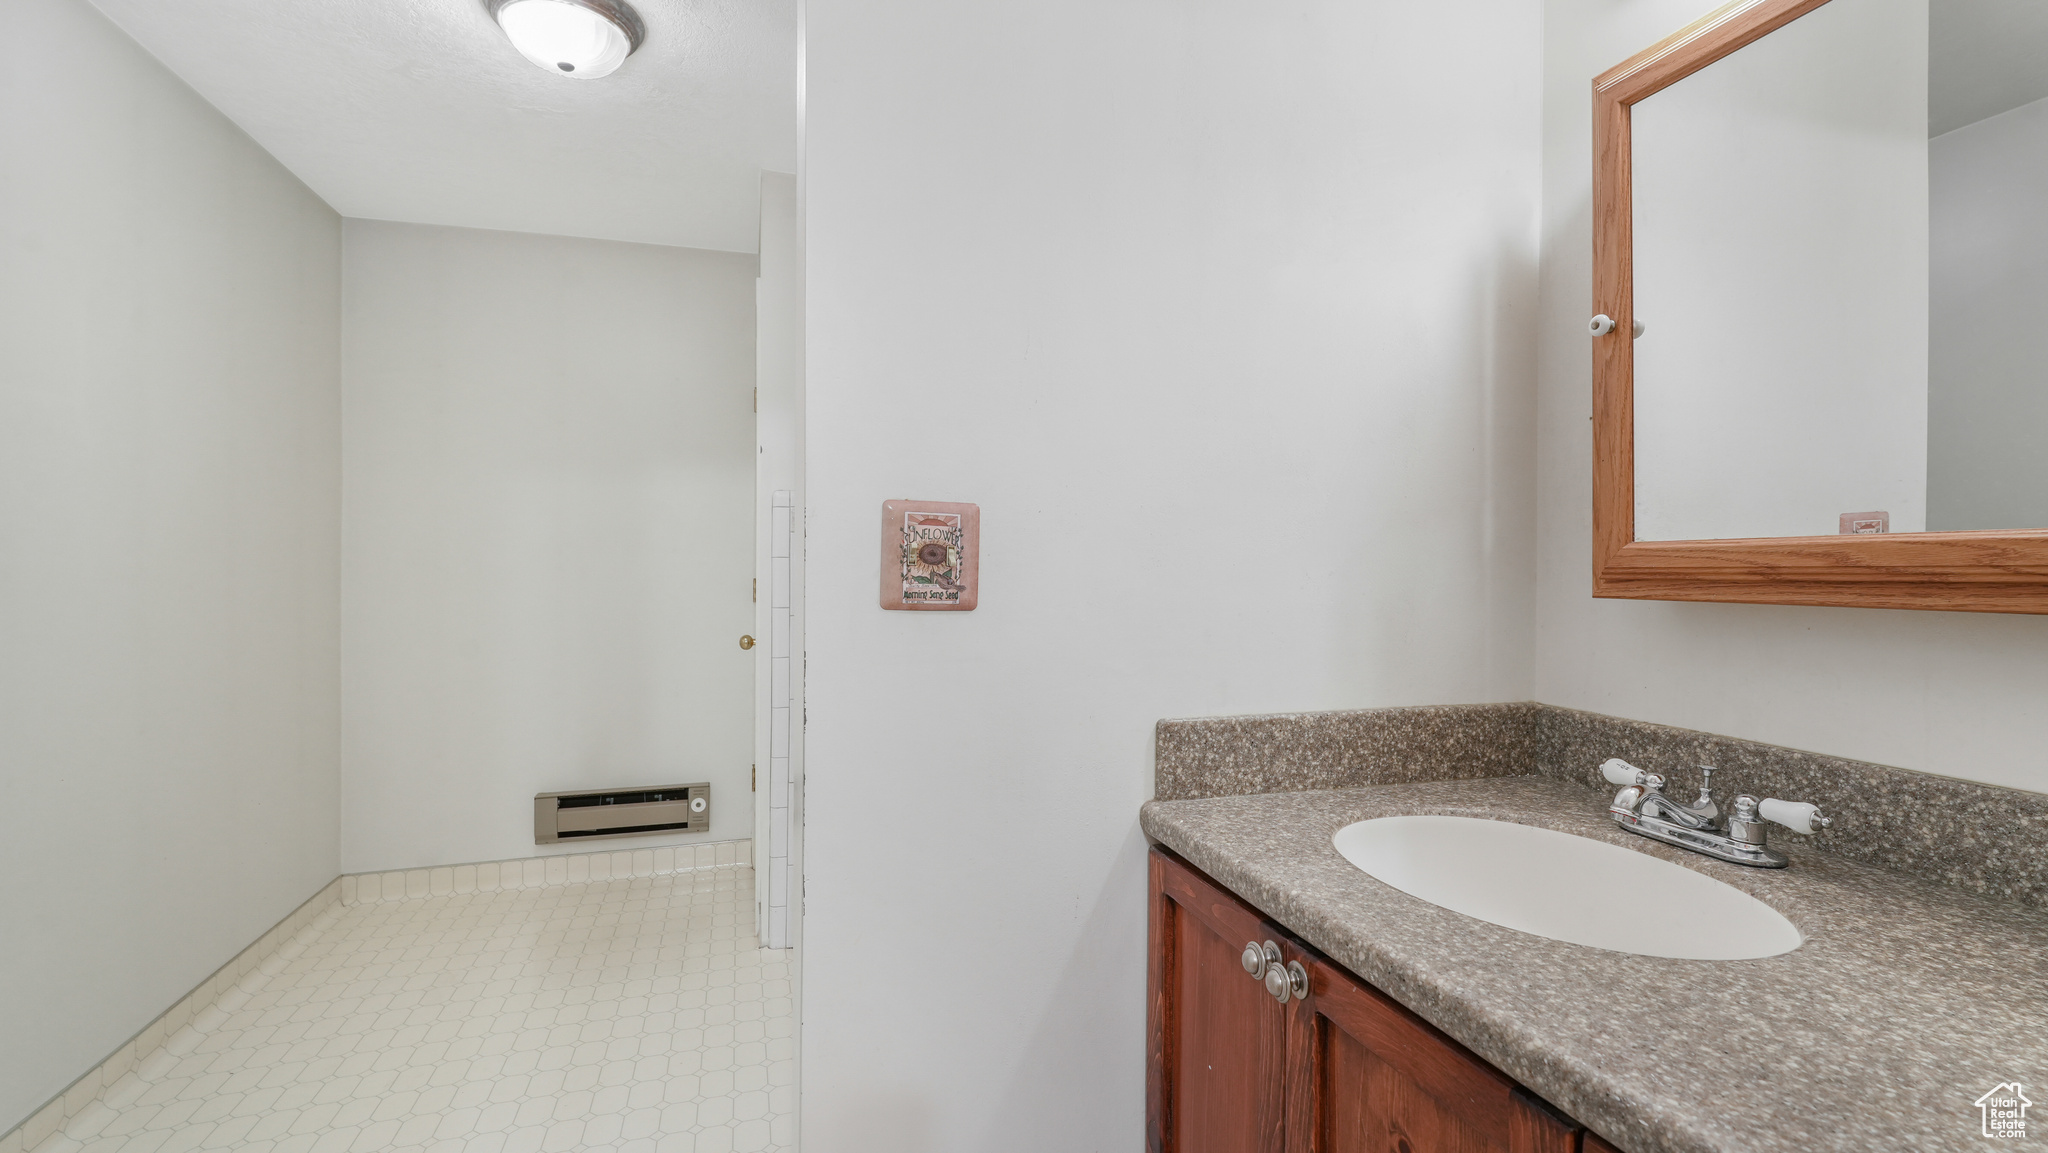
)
(639, 812)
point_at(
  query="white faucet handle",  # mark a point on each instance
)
(1797, 816)
(1620, 772)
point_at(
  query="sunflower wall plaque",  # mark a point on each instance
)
(931, 555)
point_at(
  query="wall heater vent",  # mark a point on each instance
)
(621, 813)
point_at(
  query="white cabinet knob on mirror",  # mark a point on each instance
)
(1603, 324)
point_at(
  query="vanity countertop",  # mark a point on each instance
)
(1908, 1001)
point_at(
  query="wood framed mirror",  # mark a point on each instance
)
(1759, 220)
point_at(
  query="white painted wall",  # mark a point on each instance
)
(169, 450)
(1954, 693)
(547, 538)
(1221, 315)
(1988, 409)
(1781, 268)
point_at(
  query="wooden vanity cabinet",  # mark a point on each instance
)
(1231, 1069)
(1216, 1076)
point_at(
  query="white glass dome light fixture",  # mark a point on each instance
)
(580, 39)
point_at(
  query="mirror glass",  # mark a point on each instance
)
(1841, 273)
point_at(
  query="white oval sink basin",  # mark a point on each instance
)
(1566, 888)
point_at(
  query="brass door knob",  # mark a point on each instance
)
(746, 642)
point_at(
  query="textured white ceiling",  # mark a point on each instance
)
(421, 111)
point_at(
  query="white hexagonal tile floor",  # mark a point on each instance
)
(639, 1015)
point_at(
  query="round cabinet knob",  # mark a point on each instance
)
(1297, 980)
(746, 642)
(699, 804)
(1278, 984)
(1254, 960)
(1600, 325)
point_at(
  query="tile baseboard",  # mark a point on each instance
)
(533, 872)
(230, 986)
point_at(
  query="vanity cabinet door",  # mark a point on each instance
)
(1218, 1053)
(1231, 1069)
(1368, 1076)
(1595, 1145)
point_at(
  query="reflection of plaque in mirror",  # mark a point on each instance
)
(1831, 214)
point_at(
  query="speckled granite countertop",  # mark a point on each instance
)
(1907, 1002)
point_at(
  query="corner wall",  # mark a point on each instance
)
(548, 535)
(1772, 159)
(169, 503)
(1985, 467)
(1221, 316)
(1961, 694)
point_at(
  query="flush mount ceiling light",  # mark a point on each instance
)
(583, 39)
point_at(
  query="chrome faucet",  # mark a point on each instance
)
(1701, 814)
(1642, 808)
